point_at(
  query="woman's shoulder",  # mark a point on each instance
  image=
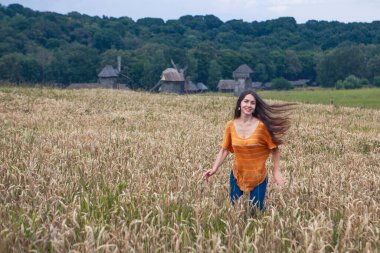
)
(261, 126)
(230, 124)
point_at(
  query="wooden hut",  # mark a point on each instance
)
(108, 77)
(242, 75)
(172, 81)
(300, 83)
(190, 87)
(257, 85)
(227, 85)
(202, 87)
(267, 86)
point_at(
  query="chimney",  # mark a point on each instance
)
(119, 63)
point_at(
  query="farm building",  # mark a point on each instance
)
(190, 87)
(202, 87)
(267, 85)
(300, 82)
(242, 81)
(242, 75)
(108, 77)
(261, 85)
(257, 85)
(172, 81)
(227, 86)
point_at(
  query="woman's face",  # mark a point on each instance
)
(248, 105)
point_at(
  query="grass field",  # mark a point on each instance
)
(120, 171)
(365, 98)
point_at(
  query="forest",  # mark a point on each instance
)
(56, 49)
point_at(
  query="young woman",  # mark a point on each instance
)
(255, 132)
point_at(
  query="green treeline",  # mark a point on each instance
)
(46, 47)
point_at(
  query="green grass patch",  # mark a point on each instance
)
(364, 98)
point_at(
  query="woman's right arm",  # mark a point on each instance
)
(218, 162)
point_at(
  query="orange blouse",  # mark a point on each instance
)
(251, 154)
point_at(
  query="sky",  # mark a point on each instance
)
(247, 10)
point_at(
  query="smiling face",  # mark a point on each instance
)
(248, 105)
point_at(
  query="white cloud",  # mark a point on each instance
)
(279, 9)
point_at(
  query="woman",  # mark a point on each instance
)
(255, 132)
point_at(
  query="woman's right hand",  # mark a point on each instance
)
(219, 160)
(208, 174)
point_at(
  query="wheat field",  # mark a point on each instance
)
(121, 171)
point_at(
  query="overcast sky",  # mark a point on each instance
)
(248, 10)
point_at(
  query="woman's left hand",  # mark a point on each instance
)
(279, 179)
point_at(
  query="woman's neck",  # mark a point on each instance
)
(244, 118)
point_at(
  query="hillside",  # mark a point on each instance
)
(50, 48)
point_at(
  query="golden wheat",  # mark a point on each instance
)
(121, 171)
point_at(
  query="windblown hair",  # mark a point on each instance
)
(274, 116)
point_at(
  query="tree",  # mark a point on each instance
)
(214, 75)
(374, 66)
(282, 23)
(31, 70)
(261, 73)
(194, 22)
(136, 73)
(351, 82)
(42, 29)
(19, 22)
(10, 67)
(277, 58)
(178, 55)
(318, 50)
(107, 39)
(376, 81)
(339, 63)
(75, 63)
(14, 9)
(293, 65)
(18, 68)
(204, 53)
(281, 84)
(203, 65)
(239, 27)
(307, 60)
(212, 21)
(229, 60)
(153, 67)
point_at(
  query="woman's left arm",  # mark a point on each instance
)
(277, 176)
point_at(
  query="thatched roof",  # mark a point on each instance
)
(108, 71)
(171, 74)
(227, 84)
(256, 85)
(267, 85)
(299, 82)
(202, 87)
(243, 71)
(190, 87)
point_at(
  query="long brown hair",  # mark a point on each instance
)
(274, 116)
